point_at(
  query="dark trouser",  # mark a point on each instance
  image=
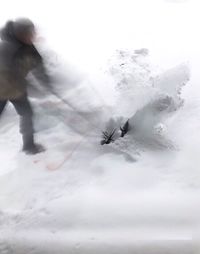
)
(23, 108)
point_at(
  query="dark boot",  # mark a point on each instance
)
(34, 149)
(30, 147)
(2, 106)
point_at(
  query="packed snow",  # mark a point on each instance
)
(138, 194)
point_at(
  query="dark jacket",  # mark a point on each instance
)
(16, 61)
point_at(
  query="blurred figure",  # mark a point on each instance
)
(18, 57)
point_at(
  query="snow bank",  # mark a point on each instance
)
(146, 96)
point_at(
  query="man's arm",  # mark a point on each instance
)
(40, 73)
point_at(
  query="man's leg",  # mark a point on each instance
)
(23, 108)
(2, 106)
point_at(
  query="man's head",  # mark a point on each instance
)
(24, 30)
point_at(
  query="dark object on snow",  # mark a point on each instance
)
(18, 57)
(33, 148)
(107, 137)
(125, 128)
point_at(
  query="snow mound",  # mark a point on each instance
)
(146, 96)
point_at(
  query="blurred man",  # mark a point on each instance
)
(18, 57)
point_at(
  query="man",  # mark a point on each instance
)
(18, 57)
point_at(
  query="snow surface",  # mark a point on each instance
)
(137, 195)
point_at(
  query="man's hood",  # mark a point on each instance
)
(19, 26)
(7, 32)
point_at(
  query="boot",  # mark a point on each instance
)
(33, 149)
(30, 147)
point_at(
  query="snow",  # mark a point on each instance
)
(137, 195)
